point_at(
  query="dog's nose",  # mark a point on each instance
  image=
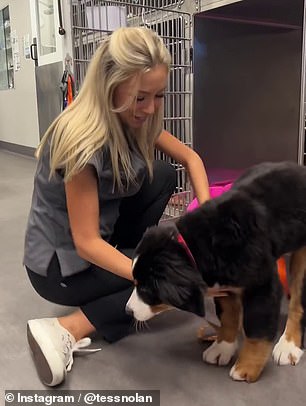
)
(129, 311)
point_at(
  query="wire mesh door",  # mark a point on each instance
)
(92, 20)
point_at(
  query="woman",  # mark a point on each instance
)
(96, 190)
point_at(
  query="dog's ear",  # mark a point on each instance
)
(164, 265)
(195, 304)
(188, 298)
(155, 238)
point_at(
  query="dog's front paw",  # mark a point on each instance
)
(220, 353)
(286, 352)
(248, 373)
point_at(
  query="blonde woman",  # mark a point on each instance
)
(96, 190)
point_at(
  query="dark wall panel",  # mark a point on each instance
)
(247, 82)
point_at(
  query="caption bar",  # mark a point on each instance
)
(82, 397)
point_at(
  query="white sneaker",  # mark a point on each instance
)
(52, 347)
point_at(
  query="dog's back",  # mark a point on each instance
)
(275, 184)
(281, 189)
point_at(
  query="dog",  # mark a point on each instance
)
(234, 242)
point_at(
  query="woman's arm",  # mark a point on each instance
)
(83, 211)
(184, 155)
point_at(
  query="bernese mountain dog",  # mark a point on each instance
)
(234, 242)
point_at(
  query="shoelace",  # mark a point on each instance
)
(78, 347)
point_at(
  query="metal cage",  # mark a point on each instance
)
(92, 20)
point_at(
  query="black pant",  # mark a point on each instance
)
(100, 294)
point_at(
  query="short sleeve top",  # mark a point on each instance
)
(48, 229)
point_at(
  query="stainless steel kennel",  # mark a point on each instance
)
(92, 20)
(236, 90)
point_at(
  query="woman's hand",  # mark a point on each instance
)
(187, 157)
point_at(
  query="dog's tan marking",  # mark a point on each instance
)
(252, 358)
(230, 318)
(160, 308)
(293, 330)
(223, 349)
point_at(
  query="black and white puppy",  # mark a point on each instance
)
(234, 241)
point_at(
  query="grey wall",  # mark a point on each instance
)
(247, 82)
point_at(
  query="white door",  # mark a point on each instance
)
(47, 51)
(45, 28)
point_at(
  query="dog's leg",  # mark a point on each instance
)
(229, 311)
(261, 309)
(253, 357)
(288, 349)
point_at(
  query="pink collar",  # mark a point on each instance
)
(182, 241)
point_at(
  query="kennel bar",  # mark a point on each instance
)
(92, 20)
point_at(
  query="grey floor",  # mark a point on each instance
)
(167, 357)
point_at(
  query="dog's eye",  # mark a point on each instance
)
(148, 296)
(142, 289)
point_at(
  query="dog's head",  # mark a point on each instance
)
(232, 250)
(165, 276)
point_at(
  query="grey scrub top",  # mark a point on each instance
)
(48, 229)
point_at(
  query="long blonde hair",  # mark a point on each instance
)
(91, 121)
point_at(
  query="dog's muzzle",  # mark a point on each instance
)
(137, 308)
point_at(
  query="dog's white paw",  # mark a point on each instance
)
(248, 372)
(236, 374)
(286, 352)
(220, 353)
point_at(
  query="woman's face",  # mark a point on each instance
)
(151, 86)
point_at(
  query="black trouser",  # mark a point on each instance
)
(100, 294)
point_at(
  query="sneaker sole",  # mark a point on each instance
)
(45, 360)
